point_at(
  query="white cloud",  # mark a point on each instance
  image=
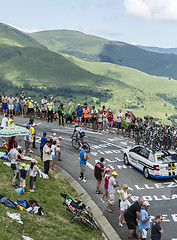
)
(152, 9)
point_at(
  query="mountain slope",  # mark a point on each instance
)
(91, 48)
(13, 37)
(159, 50)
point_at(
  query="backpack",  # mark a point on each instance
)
(7, 202)
(22, 203)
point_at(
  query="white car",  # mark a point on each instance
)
(161, 164)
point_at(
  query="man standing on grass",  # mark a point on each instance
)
(83, 160)
(99, 174)
(47, 156)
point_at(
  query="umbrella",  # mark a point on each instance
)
(13, 130)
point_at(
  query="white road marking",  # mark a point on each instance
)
(90, 166)
(122, 148)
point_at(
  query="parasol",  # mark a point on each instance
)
(13, 130)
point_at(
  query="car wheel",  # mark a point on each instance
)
(146, 173)
(126, 162)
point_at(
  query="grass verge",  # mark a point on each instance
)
(55, 224)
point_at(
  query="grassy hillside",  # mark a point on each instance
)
(160, 50)
(145, 92)
(91, 48)
(13, 37)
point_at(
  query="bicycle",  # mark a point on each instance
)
(78, 144)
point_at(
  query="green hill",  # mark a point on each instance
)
(13, 37)
(91, 48)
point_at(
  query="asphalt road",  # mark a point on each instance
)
(162, 194)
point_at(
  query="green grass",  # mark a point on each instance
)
(55, 222)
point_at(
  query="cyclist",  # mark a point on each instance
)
(78, 132)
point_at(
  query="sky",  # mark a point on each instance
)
(145, 22)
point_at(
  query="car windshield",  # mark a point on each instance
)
(167, 158)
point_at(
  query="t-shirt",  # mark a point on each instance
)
(33, 171)
(79, 112)
(4, 122)
(82, 160)
(46, 154)
(111, 188)
(43, 140)
(144, 216)
(53, 149)
(155, 231)
(13, 153)
(11, 100)
(86, 112)
(131, 211)
(10, 122)
(23, 173)
(110, 117)
(99, 168)
(119, 116)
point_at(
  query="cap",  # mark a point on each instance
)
(146, 203)
(107, 170)
(35, 102)
(26, 98)
(78, 104)
(60, 137)
(33, 160)
(114, 173)
(29, 97)
(110, 110)
(24, 165)
(54, 134)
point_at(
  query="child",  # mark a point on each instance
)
(23, 174)
(58, 146)
(53, 148)
(33, 173)
(43, 141)
(106, 177)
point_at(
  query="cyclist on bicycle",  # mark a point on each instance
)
(78, 132)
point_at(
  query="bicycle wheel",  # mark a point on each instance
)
(75, 144)
(87, 147)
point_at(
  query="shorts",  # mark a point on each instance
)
(100, 123)
(123, 207)
(82, 165)
(53, 155)
(119, 125)
(79, 119)
(4, 106)
(22, 183)
(144, 233)
(131, 222)
(99, 180)
(27, 144)
(11, 107)
(57, 149)
(17, 108)
(30, 110)
(110, 122)
(111, 198)
(86, 119)
(43, 111)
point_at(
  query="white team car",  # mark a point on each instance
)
(161, 164)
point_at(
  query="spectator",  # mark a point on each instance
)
(4, 100)
(110, 118)
(120, 115)
(156, 230)
(33, 173)
(123, 204)
(10, 120)
(4, 121)
(53, 148)
(112, 190)
(144, 223)
(83, 160)
(86, 111)
(94, 114)
(43, 142)
(23, 174)
(27, 140)
(61, 111)
(17, 105)
(47, 156)
(106, 177)
(132, 213)
(79, 112)
(100, 121)
(13, 157)
(99, 174)
(50, 110)
(104, 114)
